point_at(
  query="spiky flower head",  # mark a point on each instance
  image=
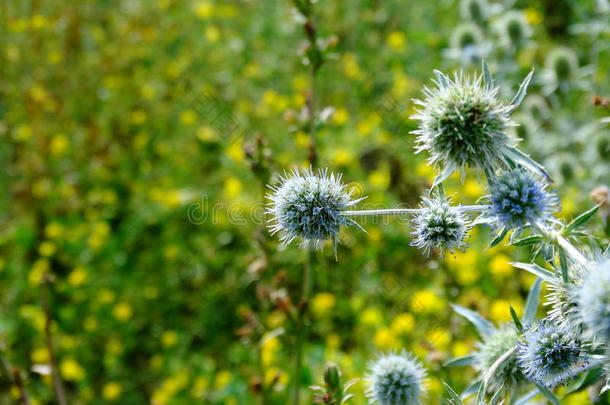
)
(550, 355)
(562, 297)
(439, 225)
(396, 379)
(593, 298)
(493, 347)
(513, 28)
(308, 206)
(562, 63)
(518, 199)
(463, 123)
(475, 10)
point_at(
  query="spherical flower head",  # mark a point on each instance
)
(463, 123)
(550, 355)
(308, 206)
(491, 349)
(396, 379)
(518, 199)
(466, 35)
(563, 63)
(593, 298)
(475, 10)
(439, 225)
(513, 28)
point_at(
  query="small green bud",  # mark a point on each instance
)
(332, 379)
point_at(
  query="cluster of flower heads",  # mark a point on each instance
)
(439, 225)
(396, 379)
(309, 206)
(550, 355)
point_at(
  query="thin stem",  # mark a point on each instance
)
(403, 211)
(572, 251)
(57, 383)
(301, 323)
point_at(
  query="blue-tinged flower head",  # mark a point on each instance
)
(563, 298)
(396, 379)
(593, 298)
(463, 123)
(439, 225)
(518, 199)
(494, 346)
(308, 206)
(550, 355)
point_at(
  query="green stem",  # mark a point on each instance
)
(301, 322)
(403, 211)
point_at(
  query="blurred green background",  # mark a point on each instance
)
(137, 139)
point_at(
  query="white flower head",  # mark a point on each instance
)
(396, 379)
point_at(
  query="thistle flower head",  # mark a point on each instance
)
(308, 206)
(513, 28)
(491, 349)
(463, 123)
(439, 225)
(550, 355)
(475, 10)
(563, 299)
(466, 35)
(396, 379)
(593, 299)
(563, 63)
(518, 199)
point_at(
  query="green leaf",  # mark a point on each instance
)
(443, 175)
(516, 320)
(525, 399)
(548, 394)
(533, 268)
(499, 238)
(460, 361)
(484, 327)
(471, 389)
(454, 396)
(516, 101)
(489, 81)
(497, 397)
(442, 79)
(586, 379)
(563, 265)
(492, 370)
(523, 159)
(530, 240)
(531, 305)
(580, 220)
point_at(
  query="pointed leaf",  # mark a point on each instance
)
(497, 397)
(548, 394)
(516, 101)
(443, 175)
(526, 161)
(533, 268)
(471, 389)
(460, 361)
(484, 327)
(516, 320)
(580, 220)
(499, 238)
(454, 396)
(531, 305)
(489, 81)
(527, 397)
(563, 265)
(492, 370)
(530, 240)
(442, 79)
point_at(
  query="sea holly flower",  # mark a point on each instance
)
(550, 355)
(309, 206)
(593, 301)
(396, 379)
(463, 123)
(518, 200)
(439, 225)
